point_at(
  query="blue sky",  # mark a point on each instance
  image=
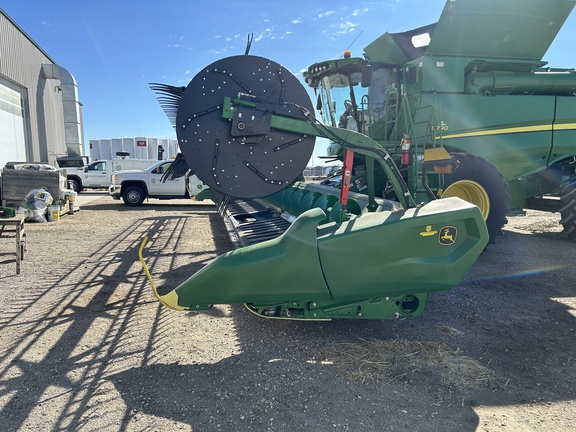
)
(114, 48)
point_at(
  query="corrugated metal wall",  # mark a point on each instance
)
(21, 62)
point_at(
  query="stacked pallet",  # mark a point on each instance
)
(16, 183)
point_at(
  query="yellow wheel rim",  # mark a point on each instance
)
(472, 192)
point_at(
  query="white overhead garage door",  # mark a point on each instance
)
(12, 123)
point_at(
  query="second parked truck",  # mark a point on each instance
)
(98, 174)
(134, 186)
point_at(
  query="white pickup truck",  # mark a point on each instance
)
(135, 186)
(98, 174)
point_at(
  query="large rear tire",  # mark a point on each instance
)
(479, 182)
(568, 209)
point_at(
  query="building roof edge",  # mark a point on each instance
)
(3, 12)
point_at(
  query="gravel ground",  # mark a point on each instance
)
(85, 346)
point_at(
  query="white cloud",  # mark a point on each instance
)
(347, 26)
(358, 11)
(325, 14)
(340, 29)
(45, 23)
(297, 21)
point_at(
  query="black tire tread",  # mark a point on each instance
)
(128, 190)
(568, 210)
(77, 186)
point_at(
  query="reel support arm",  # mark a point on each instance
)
(350, 140)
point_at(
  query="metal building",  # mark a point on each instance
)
(40, 115)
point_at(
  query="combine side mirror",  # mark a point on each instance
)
(367, 71)
(319, 103)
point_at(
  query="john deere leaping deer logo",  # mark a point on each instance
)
(447, 235)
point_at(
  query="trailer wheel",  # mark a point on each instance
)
(479, 182)
(568, 209)
(133, 196)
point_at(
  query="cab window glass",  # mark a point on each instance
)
(98, 166)
(161, 169)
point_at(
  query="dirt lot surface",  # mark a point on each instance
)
(84, 345)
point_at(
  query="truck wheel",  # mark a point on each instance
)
(133, 196)
(568, 209)
(75, 185)
(479, 182)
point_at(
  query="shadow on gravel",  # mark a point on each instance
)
(509, 316)
(61, 352)
(509, 312)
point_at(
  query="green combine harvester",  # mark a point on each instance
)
(474, 84)
(440, 134)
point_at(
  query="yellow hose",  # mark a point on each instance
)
(171, 299)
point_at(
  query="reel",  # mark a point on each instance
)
(245, 157)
